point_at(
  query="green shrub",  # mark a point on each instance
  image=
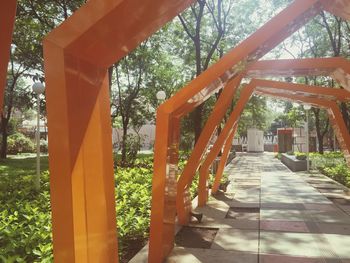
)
(300, 156)
(339, 173)
(25, 215)
(44, 148)
(25, 220)
(328, 159)
(19, 143)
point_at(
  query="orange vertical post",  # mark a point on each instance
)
(223, 160)
(77, 56)
(7, 21)
(164, 204)
(81, 163)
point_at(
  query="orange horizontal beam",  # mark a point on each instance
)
(302, 89)
(338, 68)
(113, 28)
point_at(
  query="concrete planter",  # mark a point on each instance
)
(293, 163)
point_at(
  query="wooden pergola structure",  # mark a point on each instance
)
(77, 56)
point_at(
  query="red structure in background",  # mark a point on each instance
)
(285, 139)
(77, 55)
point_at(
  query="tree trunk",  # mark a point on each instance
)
(346, 117)
(124, 138)
(4, 134)
(197, 122)
(318, 130)
(320, 144)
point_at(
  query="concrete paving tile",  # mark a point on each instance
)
(282, 215)
(321, 207)
(293, 244)
(236, 203)
(243, 213)
(191, 255)
(227, 223)
(327, 228)
(249, 199)
(340, 244)
(298, 223)
(237, 240)
(330, 217)
(279, 199)
(288, 259)
(212, 212)
(284, 226)
(295, 206)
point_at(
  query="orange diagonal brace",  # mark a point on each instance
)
(7, 20)
(223, 160)
(246, 93)
(214, 120)
(341, 131)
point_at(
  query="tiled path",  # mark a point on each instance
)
(271, 215)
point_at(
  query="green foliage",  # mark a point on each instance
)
(133, 198)
(255, 115)
(339, 173)
(300, 156)
(333, 165)
(25, 217)
(19, 143)
(44, 147)
(328, 159)
(133, 145)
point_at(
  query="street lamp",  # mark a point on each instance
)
(38, 88)
(307, 107)
(161, 96)
(295, 105)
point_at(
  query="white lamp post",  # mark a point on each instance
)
(38, 88)
(161, 96)
(307, 107)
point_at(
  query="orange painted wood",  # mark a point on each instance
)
(7, 20)
(77, 55)
(223, 161)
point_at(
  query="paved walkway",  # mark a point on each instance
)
(269, 215)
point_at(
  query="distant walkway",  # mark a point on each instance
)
(269, 215)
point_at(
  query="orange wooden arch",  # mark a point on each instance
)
(77, 55)
(7, 21)
(318, 96)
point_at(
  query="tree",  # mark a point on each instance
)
(205, 23)
(17, 96)
(34, 20)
